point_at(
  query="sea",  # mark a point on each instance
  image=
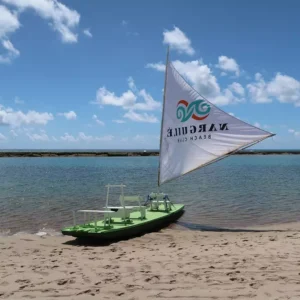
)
(38, 194)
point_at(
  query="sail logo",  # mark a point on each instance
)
(197, 110)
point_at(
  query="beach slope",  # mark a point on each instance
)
(170, 264)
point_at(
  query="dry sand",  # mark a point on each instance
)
(170, 264)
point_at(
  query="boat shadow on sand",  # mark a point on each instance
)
(85, 241)
(201, 227)
(178, 225)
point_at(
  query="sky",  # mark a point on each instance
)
(90, 74)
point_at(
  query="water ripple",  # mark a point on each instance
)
(40, 193)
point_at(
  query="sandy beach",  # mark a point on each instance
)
(170, 264)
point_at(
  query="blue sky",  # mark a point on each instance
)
(88, 74)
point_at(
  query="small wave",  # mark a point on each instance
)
(21, 233)
(5, 232)
(48, 232)
(42, 232)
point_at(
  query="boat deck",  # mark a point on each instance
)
(117, 224)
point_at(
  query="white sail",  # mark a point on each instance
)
(194, 132)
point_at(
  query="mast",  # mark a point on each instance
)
(163, 109)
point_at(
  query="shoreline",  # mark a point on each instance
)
(103, 153)
(281, 226)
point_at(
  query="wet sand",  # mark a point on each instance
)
(170, 264)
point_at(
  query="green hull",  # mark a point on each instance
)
(154, 220)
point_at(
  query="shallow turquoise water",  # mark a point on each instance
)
(238, 191)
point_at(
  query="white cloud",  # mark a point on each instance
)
(228, 64)
(125, 24)
(86, 138)
(13, 133)
(10, 48)
(294, 132)
(119, 121)
(105, 97)
(149, 104)
(68, 138)
(178, 41)
(18, 100)
(143, 117)
(11, 52)
(131, 84)
(256, 124)
(9, 22)
(89, 138)
(2, 137)
(71, 115)
(157, 66)
(128, 101)
(87, 32)
(139, 138)
(43, 137)
(226, 97)
(200, 76)
(61, 18)
(125, 139)
(97, 120)
(132, 33)
(17, 118)
(237, 88)
(285, 89)
(258, 90)
(202, 79)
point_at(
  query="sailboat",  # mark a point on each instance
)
(194, 133)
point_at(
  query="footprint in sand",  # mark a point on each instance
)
(65, 281)
(152, 279)
(232, 273)
(54, 267)
(107, 267)
(87, 249)
(85, 292)
(147, 267)
(22, 281)
(237, 279)
(255, 285)
(41, 273)
(92, 258)
(23, 286)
